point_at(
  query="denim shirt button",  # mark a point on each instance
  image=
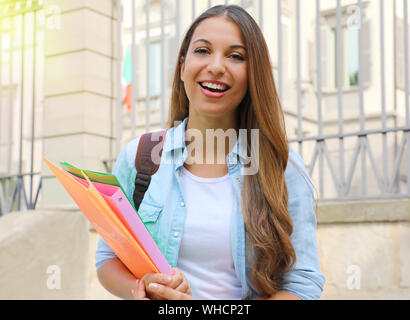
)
(182, 204)
(176, 234)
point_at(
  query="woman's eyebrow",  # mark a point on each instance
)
(235, 46)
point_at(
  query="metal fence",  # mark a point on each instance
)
(20, 184)
(348, 158)
(336, 171)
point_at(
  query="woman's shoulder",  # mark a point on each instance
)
(128, 153)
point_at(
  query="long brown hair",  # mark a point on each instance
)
(264, 195)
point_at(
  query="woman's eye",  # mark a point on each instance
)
(238, 57)
(201, 51)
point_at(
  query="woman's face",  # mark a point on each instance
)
(214, 70)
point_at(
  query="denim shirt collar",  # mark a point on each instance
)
(175, 141)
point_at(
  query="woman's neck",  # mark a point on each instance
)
(208, 128)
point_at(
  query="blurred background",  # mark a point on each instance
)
(81, 78)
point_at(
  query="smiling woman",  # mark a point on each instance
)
(229, 235)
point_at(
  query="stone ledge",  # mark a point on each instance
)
(393, 210)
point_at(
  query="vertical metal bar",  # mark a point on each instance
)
(319, 94)
(112, 101)
(1, 79)
(280, 49)
(394, 18)
(193, 10)
(319, 69)
(11, 106)
(118, 76)
(226, 2)
(243, 3)
(177, 21)
(134, 72)
(33, 107)
(261, 14)
(361, 102)
(147, 49)
(406, 66)
(298, 67)
(406, 81)
(383, 96)
(21, 110)
(162, 92)
(209, 3)
(339, 95)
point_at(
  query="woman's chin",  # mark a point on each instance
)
(214, 112)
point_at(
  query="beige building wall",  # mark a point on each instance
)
(79, 98)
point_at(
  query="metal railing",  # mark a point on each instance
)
(386, 180)
(341, 169)
(332, 158)
(19, 21)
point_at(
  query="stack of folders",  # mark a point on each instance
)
(105, 204)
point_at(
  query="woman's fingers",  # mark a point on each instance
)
(139, 292)
(168, 293)
(158, 278)
(184, 288)
(177, 279)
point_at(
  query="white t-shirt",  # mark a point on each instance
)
(205, 255)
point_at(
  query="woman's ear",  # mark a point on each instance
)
(181, 62)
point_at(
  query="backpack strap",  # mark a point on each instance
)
(144, 164)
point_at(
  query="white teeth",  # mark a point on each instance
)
(214, 86)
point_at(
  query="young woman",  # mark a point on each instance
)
(229, 235)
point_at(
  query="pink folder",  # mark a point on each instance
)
(119, 203)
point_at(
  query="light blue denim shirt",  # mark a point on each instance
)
(163, 212)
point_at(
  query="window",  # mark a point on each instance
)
(349, 57)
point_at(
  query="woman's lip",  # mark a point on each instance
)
(211, 94)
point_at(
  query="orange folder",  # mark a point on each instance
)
(106, 223)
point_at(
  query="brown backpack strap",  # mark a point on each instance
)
(144, 164)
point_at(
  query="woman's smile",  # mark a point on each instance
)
(213, 89)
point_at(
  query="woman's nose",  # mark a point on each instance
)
(217, 65)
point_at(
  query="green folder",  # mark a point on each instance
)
(94, 176)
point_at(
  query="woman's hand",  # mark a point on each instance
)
(167, 293)
(176, 282)
(139, 292)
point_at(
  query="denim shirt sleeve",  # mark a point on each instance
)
(124, 170)
(305, 279)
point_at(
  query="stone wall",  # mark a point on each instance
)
(364, 251)
(43, 255)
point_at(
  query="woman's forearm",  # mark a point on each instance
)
(116, 278)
